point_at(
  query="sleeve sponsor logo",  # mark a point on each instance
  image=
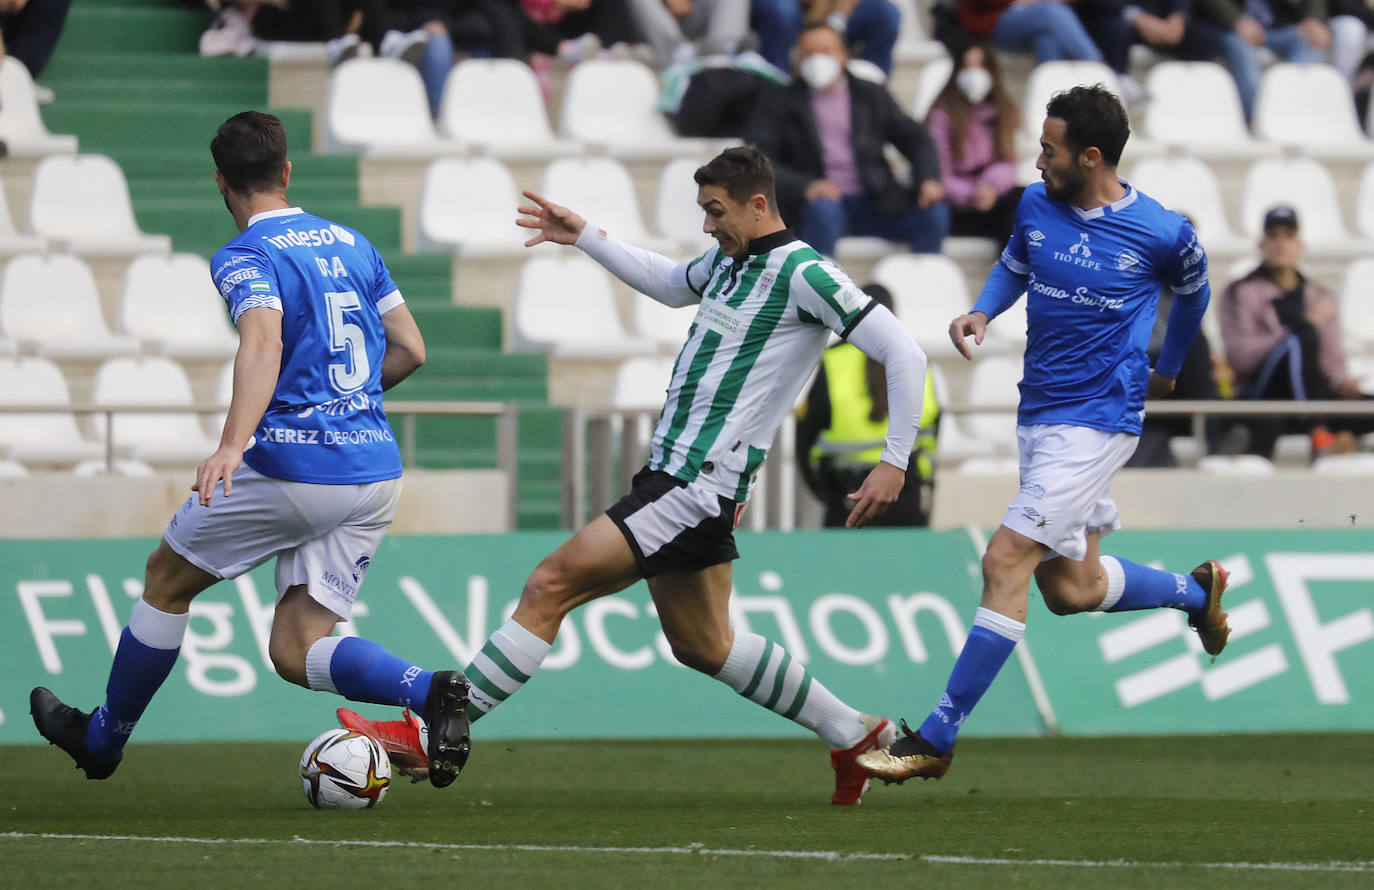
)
(236, 278)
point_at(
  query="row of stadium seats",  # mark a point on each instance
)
(78, 203)
(54, 438)
(377, 106)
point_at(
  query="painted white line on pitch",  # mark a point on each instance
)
(1366, 866)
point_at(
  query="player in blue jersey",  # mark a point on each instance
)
(1091, 253)
(307, 468)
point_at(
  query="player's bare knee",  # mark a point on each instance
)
(288, 658)
(1064, 596)
(163, 586)
(547, 590)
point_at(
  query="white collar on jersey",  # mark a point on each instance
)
(1115, 206)
(268, 214)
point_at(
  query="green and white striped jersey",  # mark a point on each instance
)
(760, 329)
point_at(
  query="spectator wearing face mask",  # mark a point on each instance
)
(826, 133)
(973, 124)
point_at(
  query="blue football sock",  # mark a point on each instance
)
(1132, 586)
(147, 649)
(361, 670)
(989, 643)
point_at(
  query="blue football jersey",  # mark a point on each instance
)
(1093, 280)
(325, 423)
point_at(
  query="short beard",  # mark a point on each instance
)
(1066, 192)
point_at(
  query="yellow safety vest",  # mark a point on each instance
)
(852, 436)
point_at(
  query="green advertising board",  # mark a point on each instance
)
(877, 615)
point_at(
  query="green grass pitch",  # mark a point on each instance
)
(1218, 812)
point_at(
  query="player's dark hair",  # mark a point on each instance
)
(1093, 118)
(743, 171)
(250, 151)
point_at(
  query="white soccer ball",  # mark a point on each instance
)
(344, 770)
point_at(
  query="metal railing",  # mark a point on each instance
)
(506, 414)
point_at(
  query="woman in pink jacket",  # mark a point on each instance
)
(973, 123)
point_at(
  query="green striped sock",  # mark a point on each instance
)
(766, 674)
(507, 661)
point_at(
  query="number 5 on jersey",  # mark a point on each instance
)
(350, 374)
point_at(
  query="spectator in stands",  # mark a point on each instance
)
(716, 96)
(681, 29)
(29, 30)
(1115, 25)
(841, 431)
(1282, 335)
(973, 123)
(825, 134)
(871, 26)
(1350, 23)
(1049, 28)
(1293, 30)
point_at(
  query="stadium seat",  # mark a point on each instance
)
(641, 383)
(932, 79)
(664, 325)
(21, 124)
(1309, 107)
(1195, 106)
(601, 191)
(1187, 186)
(1307, 186)
(13, 241)
(1236, 465)
(51, 302)
(928, 291)
(468, 206)
(378, 107)
(612, 105)
(1364, 203)
(913, 43)
(1357, 307)
(1048, 78)
(564, 305)
(676, 212)
(1342, 464)
(495, 105)
(994, 383)
(83, 200)
(118, 467)
(41, 438)
(171, 302)
(175, 437)
(12, 469)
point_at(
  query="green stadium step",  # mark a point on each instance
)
(110, 128)
(460, 362)
(177, 92)
(308, 195)
(139, 67)
(423, 270)
(457, 326)
(103, 28)
(192, 165)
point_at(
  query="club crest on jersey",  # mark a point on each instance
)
(1127, 261)
(766, 280)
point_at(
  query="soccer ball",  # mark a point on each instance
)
(344, 770)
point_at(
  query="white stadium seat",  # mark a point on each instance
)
(1309, 107)
(641, 383)
(171, 302)
(932, 79)
(495, 104)
(40, 438)
(601, 191)
(564, 305)
(83, 200)
(21, 124)
(51, 301)
(913, 43)
(13, 241)
(666, 326)
(175, 437)
(612, 104)
(1364, 203)
(676, 213)
(12, 469)
(1344, 464)
(378, 107)
(928, 291)
(1236, 465)
(1048, 78)
(118, 467)
(1307, 186)
(468, 206)
(1187, 186)
(1357, 307)
(1195, 106)
(993, 383)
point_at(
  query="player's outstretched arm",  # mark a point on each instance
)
(551, 222)
(256, 366)
(885, 340)
(405, 347)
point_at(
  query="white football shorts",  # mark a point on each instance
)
(1065, 475)
(323, 536)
